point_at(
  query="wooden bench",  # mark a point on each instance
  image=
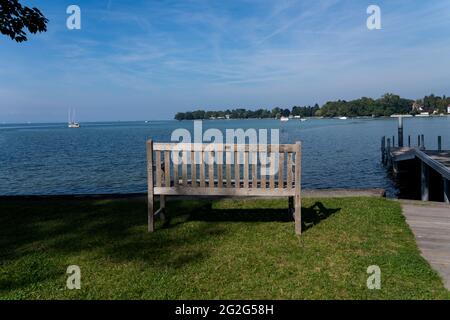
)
(205, 177)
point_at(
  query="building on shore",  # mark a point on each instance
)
(417, 107)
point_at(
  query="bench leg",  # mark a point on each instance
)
(150, 211)
(298, 215)
(162, 205)
(291, 206)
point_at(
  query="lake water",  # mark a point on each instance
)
(50, 159)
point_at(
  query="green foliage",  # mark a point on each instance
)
(14, 18)
(242, 113)
(387, 105)
(305, 111)
(432, 103)
(231, 114)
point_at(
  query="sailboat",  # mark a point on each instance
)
(72, 124)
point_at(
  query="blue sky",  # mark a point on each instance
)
(138, 60)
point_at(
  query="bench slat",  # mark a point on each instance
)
(272, 171)
(289, 170)
(202, 170)
(237, 170)
(176, 178)
(228, 156)
(254, 157)
(246, 169)
(193, 169)
(280, 171)
(184, 169)
(262, 169)
(220, 170)
(211, 169)
(158, 168)
(167, 168)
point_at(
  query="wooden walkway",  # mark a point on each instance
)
(438, 161)
(443, 157)
(430, 223)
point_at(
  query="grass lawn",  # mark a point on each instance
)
(223, 249)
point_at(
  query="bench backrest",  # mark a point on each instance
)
(224, 169)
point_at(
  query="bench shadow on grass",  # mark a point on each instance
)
(311, 216)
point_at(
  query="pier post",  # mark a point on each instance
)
(388, 152)
(425, 181)
(383, 149)
(418, 141)
(400, 132)
(409, 141)
(422, 144)
(439, 143)
(446, 190)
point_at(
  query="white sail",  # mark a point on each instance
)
(72, 123)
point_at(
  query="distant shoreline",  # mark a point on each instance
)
(327, 118)
(173, 120)
(387, 105)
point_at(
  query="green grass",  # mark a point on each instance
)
(223, 249)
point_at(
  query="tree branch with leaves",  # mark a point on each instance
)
(15, 19)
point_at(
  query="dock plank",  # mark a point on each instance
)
(440, 156)
(431, 228)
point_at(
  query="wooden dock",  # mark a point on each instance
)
(430, 223)
(438, 160)
(435, 161)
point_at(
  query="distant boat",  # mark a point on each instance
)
(343, 118)
(72, 124)
(303, 120)
(284, 119)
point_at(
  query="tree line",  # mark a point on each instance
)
(306, 111)
(387, 105)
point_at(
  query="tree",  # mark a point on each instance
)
(318, 113)
(276, 112)
(180, 116)
(286, 113)
(14, 18)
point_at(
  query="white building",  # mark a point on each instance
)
(417, 107)
(448, 109)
